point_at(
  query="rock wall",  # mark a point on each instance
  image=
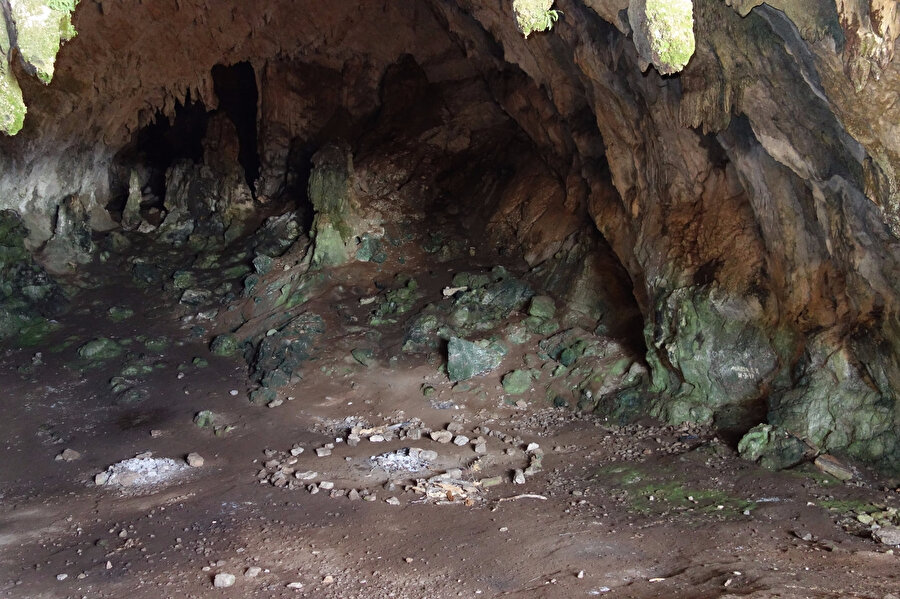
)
(753, 198)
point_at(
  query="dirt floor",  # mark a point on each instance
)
(644, 510)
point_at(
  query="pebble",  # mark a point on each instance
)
(306, 475)
(442, 436)
(323, 452)
(223, 580)
(194, 460)
(392, 501)
(461, 440)
(295, 451)
(326, 485)
(519, 477)
(68, 455)
(295, 585)
(101, 479)
(233, 392)
(376, 438)
(275, 403)
(252, 572)
(61, 577)
(481, 448)
(313, 489)
(353, 440)
(328, 579)
(532, 447)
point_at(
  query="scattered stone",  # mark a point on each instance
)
(481, 448)
(323, 452)
(542, 306)
(889, 535)
(306, 475)
(466, 359)
(194, 460)
(461, 440)
(294, 585)
(532, 447)
(517, 382)
(772, 447)
(519, 477)
(831, 466)
(223, 580)
(275, 403)
(252, 572)
(328, 579)
(392, 501)
(441, 436)
(68, 455)
(61, 577)
(376, 439)
(204, 419)
(326, 485)
(296, 450)
(224, 345)
(100, 349)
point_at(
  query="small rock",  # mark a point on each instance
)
(306, 475)
(194, 460)
(461, 440)
(481, 448)
(889, 535)
(294, 585)
(61, 577)
(532, 447)
(295, 451)
(580, 574)
(275, 403)
(326, 485)
(392, 501)
(442, 436)
(101, 479)
(328, 579)
(519, 477)
(353, 495)
(323, 452)
(68, 455)
(223, 580)
(252, 572)
(377, 438)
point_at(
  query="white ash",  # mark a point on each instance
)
(141, 472)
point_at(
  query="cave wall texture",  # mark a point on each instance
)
(753, 197)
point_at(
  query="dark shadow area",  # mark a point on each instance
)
(235, 87)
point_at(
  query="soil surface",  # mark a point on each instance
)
(644, 510)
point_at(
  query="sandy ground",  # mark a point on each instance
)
(641, 511)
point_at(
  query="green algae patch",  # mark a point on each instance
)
(652, 494)
(12, 105)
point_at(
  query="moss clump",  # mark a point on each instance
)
(534, 15)
(670, 29)
(12, 106)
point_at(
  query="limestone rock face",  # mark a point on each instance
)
(747, 194)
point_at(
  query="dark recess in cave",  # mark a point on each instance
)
(162, 143)
(235, 87)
